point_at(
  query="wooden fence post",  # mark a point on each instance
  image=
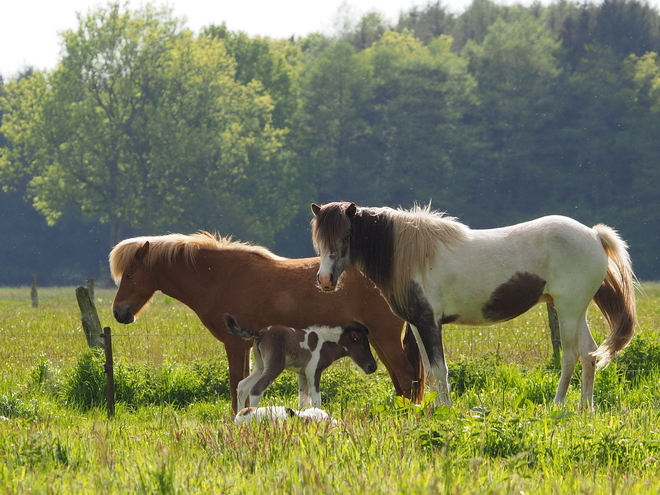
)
(555, 336)
(109, 371)
(90, 288)
(33, 292)
(90, 318)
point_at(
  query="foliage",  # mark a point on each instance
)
(497, 115)
(143, 125)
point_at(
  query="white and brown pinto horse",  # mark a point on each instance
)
(434, 270)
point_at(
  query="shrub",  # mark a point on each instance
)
(84, 385)
(639, 360)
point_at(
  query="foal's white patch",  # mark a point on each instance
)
(325, 334)
(280, 413)
(258, 414)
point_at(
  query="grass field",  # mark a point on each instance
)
(173, 431)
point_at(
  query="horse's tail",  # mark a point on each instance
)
(415, 358)
(244, 333)
(616, 296)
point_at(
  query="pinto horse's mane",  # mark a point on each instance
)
(401, 243)
(167, 247)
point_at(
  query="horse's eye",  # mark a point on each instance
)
(128, 275)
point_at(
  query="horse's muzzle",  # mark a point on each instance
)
(124, 315)
(326, 282)
(369, 369)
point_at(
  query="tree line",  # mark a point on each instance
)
(495, 115)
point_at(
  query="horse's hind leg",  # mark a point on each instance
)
(238, 357)
(576, 341)
(568, 327)
(390, 350)
(587, 346)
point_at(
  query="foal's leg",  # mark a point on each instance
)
(587, 346)
(273, 365)
(303, 391)
(314, 383)
(245, 385)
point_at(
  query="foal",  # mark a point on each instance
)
(308, 352)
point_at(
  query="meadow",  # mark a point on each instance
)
(173, 430)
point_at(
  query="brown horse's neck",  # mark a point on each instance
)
(190, 283)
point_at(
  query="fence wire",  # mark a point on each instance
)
(171, 333)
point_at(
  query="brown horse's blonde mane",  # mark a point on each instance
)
(416, 235)
(166, 247)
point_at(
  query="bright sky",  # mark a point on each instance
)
(29, 29)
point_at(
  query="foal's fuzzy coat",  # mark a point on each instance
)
(308, 352)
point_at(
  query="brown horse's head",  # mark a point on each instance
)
(136, 284)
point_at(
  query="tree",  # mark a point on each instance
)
(143, 125)
(428, 22)
(336, 86)
(518, 75)
(273, 63)
(420, 97)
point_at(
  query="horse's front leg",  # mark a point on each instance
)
(429, 340)
(428, 334)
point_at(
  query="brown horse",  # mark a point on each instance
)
(214, 275)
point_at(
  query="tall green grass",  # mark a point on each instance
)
(173, 430)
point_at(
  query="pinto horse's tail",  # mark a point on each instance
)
(415, 358)
(243, 333)
(616, 296)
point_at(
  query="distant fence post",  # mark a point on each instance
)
(33, 292)
(90, 288)
(555, 336)
(109, 371)
(90, 318)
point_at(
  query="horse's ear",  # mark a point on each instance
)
(142, 252)
(351, 210)
(316, 209)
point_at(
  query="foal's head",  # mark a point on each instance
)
(136, 286)
(354, 339)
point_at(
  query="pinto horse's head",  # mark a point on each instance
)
(136, 282)
(331, 235)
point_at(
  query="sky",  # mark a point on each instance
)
(30, 29)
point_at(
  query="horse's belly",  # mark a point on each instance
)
(506, 301)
